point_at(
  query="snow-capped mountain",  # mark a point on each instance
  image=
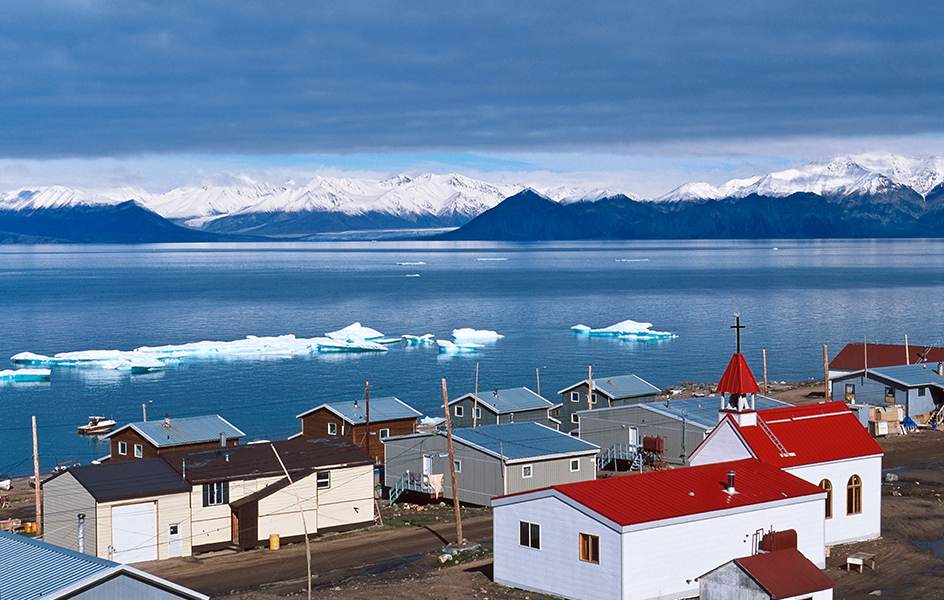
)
(54, 197)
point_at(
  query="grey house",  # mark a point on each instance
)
(607, 392)
(502, 406)
(682, 424)
(491, 460)
(919, 388)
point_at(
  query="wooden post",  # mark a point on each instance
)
(537, 372)
(826, 373)
(144, 411)
(475, 400)
(301, 513)
(452, 470)
(367, 416)
(907, 358)
(38, 491)
(765, 371)
(501, 455)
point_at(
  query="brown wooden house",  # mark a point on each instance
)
(388, 417)
(147, 439)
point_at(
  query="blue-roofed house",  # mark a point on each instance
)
(502, 406)
(35, 570)
(918, 388)
(682, 424)
(387, 417)
(490, 460)
(147, 439)
(607, 392)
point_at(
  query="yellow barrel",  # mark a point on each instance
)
(274, 541)
(29, 527)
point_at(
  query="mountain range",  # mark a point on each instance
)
(861, 196)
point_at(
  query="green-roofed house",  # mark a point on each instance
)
(147, 439)
(502, 406)
(490, 460)
(607, 392)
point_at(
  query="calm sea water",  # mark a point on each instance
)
(793, 297)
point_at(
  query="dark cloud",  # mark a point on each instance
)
(117, 77)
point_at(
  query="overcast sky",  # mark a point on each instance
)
(634, 94)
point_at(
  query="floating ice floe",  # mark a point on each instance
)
(467, 335)
(446, 347)
(355, 332)
(432, 421)
(626, 329)
(416, 340)
(489, 259)
(24, 375)
(632, 260)
(409, 264)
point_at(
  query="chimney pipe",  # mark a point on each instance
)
(166, 419)
(222, 439)
(731, 489)
(940, 369)
(81, 533)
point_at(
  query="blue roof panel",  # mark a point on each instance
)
(523, 440)
(32, 569)
(511, 400)
(381, 409)
(913, 375)
(166, 433)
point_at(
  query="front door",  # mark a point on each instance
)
(174, 540)
(235, 528)
(427, 465)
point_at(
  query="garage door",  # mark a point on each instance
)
(134, 532)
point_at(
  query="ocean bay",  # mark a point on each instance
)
(793, 297)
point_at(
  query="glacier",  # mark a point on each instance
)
(627, 329)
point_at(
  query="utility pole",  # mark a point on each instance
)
(301, 513)
(475, 400)
(452, 471)
(38, 491)
(825, 374)
(765, 371)
(367, 416)
(537, 372)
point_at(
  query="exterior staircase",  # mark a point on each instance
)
(616, 452)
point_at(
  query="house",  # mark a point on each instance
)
(388, 416)
(779, 575)
(607, 392)
(36, 570)
(126, 511)
(682, 424)
(502, 406)
(857, 357)
(240, 495)
(649, 535)
(148, 439)
(823, 444)
(918, 388)
(490, 460)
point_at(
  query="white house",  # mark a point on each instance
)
(822, 443)
(649, 535)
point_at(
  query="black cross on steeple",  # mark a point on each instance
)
(738, 327)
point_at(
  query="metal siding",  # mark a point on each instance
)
(63, 499)
(123, 588)
(349, 500)
(480, 479)
(568, 408)
(730, 582)
(549, 472)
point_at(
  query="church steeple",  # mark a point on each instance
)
(739, 383)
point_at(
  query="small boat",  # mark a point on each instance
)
(97, 425)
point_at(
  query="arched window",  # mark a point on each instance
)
(828, 486)
(854, 496)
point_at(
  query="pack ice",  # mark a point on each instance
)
(628, 329)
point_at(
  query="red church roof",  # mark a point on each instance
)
(659, 495)
(737, 378)
(785, 573)
(852, 357)
(815, 433)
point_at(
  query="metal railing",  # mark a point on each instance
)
(627, 452)
(413, 482)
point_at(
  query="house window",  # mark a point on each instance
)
(890, 395)
(458, 465)
(384, 433)
(215, 493)
(574, 419)
(574, 464)
(594, 400)
(529, 535)
(850, 389)
(922, 391)
(828, 486)
(324, 480)
(590, 548)
(575, 396)
(527, 471)
(478, 413)
(332, 429)
(138, 451)
(459, 411)
(122, 448)
(854, 496)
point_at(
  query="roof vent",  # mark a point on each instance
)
(355, 403)
(940, 369)
(166, 419)
(731, 489)
(496, 392)
(222, 439)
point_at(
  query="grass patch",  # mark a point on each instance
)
(410, 522)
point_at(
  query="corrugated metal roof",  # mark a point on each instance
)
(619, 387)
(785, 573)
(187, 430)
(257, 460)
(510, 400)
(853, 356)
(737, 378)
(703, 411)
(517, 441)
(388, 408)
(815, 433)
(912, 375)
(32, 569)
(660, 495)
(127, 479)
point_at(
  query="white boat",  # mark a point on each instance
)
(97, 425)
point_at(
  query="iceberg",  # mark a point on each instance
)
(355, 332)
(446, 347)
(467, 335)
(627, 329)
(416, 340)
(24, 375)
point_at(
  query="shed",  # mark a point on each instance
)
(919, 388)
(147, 439)
(780, 575)
(36, 570)
(502, 406)
(650, 535)
(491, 460)
(607, 391)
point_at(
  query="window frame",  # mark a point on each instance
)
(574, 465)
(384, 433)
(889, 397)
(529, 535)
(323, 480)
(527, 471)
(459, 410)
(332, 429)
(123, 448)
(827, 486)
(138, 451)
(574, 419)
(457, 464)
(922, 391)
(575, 396)
(478, 413)
(854, 495)
(216, 493)
(589, 548)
